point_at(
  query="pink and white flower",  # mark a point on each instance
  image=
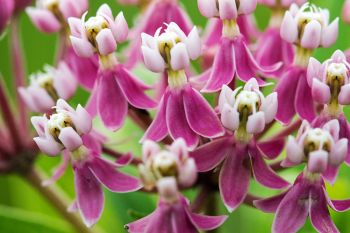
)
(47, 87)
(181, 109)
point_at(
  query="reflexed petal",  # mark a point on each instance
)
(210, 155)
(292, 211)
(206, 223)
(105, 42)
(114, 180)
(224, 67)
(90, 196)
(270, 205)
(319, 214)
(158, 129)
(271, 148)
(303, 104)
(263, 173)
(234, 179)
(176, 119)
(112, 105)
(133, 90)
(141, 224)
(199, 113)
(331, 174)
(286, 89)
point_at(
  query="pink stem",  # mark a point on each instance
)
(19, 74)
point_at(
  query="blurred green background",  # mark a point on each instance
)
(23, 210)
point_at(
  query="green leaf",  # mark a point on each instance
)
(14, 220)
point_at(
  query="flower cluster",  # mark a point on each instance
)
(217, 142)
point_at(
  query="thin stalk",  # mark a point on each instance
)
(57, 199)
(18, 70)
(117, 155)
(8, 116)
(200, 200)
(287, 131)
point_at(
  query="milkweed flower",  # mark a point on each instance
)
(173, 213)
(308, 28)
(322, 152)
(157, 13)
(70, 131)
(182, 111)
(174, 161)
(115, 87)
(346, 12)
(233, 58)
(167, 170)
(243, 113)
(330, 86)
(47, 87)
(51, 16)
(266, 52)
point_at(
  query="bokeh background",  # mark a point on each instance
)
(24, 210)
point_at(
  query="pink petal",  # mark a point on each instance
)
(263, 173)
(27, 99)
(194, 44)
(112, 105)
(176, 120)
(234, 179)
(331, 174)
(91, 105)
(337, 205)
(317, 162)
(82, 120)
(133, 89)
(295, 153)
(105, 42)
(247, 7)
(256, 123)
(75, 26)
(286, 89)
(70, 138)
(92, 142)
(211, 154)
(330, 34)
(199, 113)
(153, 60)
(292, 211)
(105, 10)
(229, 117)
(344, 95)
(206, 223)
(39, 124)
(122, 26)
(320, 91)
(41, 98)
(227, 9)
(303, 104)
(141, 224)
(82, 47)
(158, 129)
(179, 57)
(48, 146)
(289, 28)
(207, 8)
(59, 170)
(319, 214)
(270, 205)
(271, 148)
(114, 180)
(313, 70)
(311, 37)
(69, 8)
(224, 67)
(90, 196)
(338, 152)
(44, 20)
(269, 107)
